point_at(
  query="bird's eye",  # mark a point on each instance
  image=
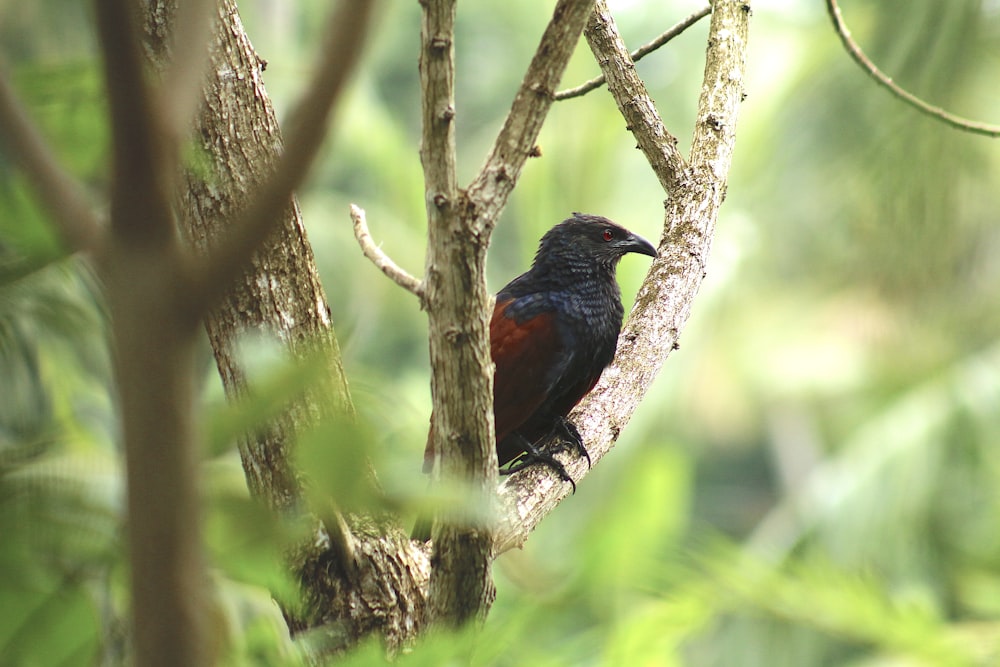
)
(608, 235)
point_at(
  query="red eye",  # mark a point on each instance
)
(608, 235)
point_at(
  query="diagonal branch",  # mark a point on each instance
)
(634, 102)
(886, 81)
(381, 260)
(58, 192)
(211, 274)
(664, 300)
(489, 191)
(639, 53)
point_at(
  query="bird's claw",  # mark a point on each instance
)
(534, 455)
(569, 434)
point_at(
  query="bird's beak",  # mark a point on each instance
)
(635, 243)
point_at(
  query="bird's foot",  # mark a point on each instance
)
(570, 438)
(533, 455)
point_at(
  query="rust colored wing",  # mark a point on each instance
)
(530, 358)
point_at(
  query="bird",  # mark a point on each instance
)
(553, 331)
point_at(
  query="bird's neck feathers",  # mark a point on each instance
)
(568, 266)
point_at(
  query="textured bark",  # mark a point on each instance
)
(280, 295)
(366, 579)
(383, 593)
(455, 296)
(370, 579)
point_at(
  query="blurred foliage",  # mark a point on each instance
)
(814, 479)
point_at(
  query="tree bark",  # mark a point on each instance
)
(280, 295)
(355, 579)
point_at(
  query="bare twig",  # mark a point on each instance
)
(211, 274)
(634, 102)
(379, 258)
(886, 81)
(639, 53)
(57, 191)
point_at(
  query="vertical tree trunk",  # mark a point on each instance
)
(238, 136)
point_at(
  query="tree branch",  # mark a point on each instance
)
(211, 274)
(141, 191)
(489, 191)
(58, 192)
(381, 260)
(639, 53)
(885, 81)
(634, 102)
(462, 438)
(664, 300)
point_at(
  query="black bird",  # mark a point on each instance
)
(554, 330)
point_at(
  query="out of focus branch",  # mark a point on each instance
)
(181, 90)
(886, 81)
(141, 194)
(58, 192)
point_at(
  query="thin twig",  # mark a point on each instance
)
(639, 53)
(378, 257)
(211, 273)
(58, 192)
(874, 72)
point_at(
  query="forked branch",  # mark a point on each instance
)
(664, 300)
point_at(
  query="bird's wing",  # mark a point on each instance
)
(530, 358)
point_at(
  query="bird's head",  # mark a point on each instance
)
(589, 240)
